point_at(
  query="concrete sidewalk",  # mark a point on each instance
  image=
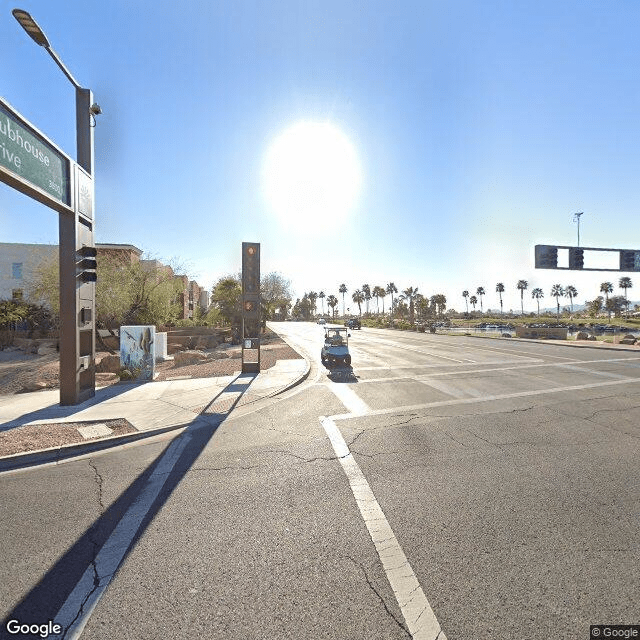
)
(151, 408)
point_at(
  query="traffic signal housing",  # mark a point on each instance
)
(87, 263)
(576, 258)
(629, 260)
(546, 256)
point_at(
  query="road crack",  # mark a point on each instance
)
(293, 455)
(400, 623)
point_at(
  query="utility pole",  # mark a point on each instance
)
(576, 218)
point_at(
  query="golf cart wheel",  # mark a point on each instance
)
(347, 360)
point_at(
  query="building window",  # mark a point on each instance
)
(16, 294)
(16, 270)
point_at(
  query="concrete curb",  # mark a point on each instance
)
(56, 454)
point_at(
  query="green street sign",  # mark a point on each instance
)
(30, 163)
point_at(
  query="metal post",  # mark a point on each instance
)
(77, 338)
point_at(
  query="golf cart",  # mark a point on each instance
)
(335, 351)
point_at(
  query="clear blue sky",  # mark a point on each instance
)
(474, 130)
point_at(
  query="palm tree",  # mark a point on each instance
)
(342, 289)
(332, 302)
(358, 297)
(391, 288)
(378, 292)
(313, 296)
(537, 293)
(625, 283)
(522, 285)
(500, 290)
(570, 292)
(465, 295)
(440, 302)
(474, 301)
(366, 290)
(556, 292)
(411, 293)
(322, 297)
(606, 288)
(480, 292)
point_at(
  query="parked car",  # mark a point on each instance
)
(353, 323)
(322, 321)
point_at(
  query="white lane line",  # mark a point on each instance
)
(503, 396)
(350, 399)
(418, 614)
(78, 607)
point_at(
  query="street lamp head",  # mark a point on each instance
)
(31, 27)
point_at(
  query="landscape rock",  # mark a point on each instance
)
(219, 355)
(628, 339)
(506, 335)
(106, 377)
(36, 385)
(182, 358)
(109, 364)
(582, 335)
(207, 342)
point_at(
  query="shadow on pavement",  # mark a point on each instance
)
(56, 411)
(45, 600)
(342, 374)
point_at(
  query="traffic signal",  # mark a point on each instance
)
(629, 260)
(87, 263)
(576, 258)
(546, 257)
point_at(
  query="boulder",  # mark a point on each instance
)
(506, 335)
(592, 338)
(33, 386)
(582, 335)
(628, 339)
(109, 364)
(106, 377)
(219, 355)
(207, 342)
(182, 358)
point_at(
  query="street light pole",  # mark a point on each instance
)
(576, 218)
(76, 236)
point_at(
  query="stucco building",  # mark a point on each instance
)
(18, 263)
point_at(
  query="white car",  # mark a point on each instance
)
(322, 321)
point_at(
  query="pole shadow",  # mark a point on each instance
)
(56, 411)
(44, 600)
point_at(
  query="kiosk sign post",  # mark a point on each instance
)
(250, 307)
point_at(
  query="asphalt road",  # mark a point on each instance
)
(446, 485)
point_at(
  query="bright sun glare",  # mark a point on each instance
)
(311, 171)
